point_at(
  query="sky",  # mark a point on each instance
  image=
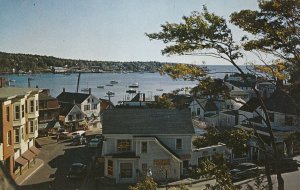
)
(104, 30)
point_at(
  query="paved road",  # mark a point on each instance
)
(58, 157)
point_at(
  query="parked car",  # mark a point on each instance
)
(285, 165)
(245, 170)
(77, 170)
(78, 140)
(94, 143)
(81, 133)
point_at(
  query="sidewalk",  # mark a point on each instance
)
(188, 182)
(30, 171)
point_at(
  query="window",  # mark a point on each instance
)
(23, 111)
(271, 116)
(9, 138)
(144, 169)
(94, 106)
(126, 170)
(31, 126)
(110, 165)
(144, 147)
(92, 100)
(123, 145)
(86, 107)
(185, 164)
(26, 106)
(289, 120)
(198, 111)
(228, 107)
(31, 106)
(17, 112)
(88, 100)
(70, 117)
(178, 143)
(35, 125)
(7, 114)
(36, 105)
(17, 135)
(22, 133)
(78, 116)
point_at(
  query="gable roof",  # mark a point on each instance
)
(147, 121)
(70, 97)
(66, 108)
(281, 102)
(251, 105)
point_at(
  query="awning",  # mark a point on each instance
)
(34, 150)
(28, 155)
(21, 161)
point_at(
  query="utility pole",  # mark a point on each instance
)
(78, 82)
(109, 94)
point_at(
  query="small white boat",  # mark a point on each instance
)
(113, 82)
(100, 86)
(110, 93)
(84, 90)
(131, 91)
(134, 85)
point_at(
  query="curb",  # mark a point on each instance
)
(186, 183)
(30, 174)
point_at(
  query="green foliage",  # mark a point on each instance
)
(147, 184)
(221, 173)
(162, 103)
(183, 71)
(200, 31)
(37, 63)
(275, 27)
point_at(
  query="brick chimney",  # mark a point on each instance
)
(64, 89)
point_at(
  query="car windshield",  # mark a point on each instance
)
(246, 166)
(76, 168)
(95, 140)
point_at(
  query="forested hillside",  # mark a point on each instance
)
(38, 63)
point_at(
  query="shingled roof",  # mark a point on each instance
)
(65, 108)
(251, 105)
(281, 102)
(147, 121)
(72, 96)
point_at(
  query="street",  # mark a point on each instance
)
(58, 157)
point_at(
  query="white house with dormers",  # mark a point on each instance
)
(142, 141)
(87, 102)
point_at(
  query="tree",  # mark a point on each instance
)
(161, 103)
(235, 139)
(206, 34)
(147, 184)
(275, 30)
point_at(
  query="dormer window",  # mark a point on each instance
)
(178, 144)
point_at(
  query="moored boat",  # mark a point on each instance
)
(113, 82)
(134, 85)
(131, 91)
